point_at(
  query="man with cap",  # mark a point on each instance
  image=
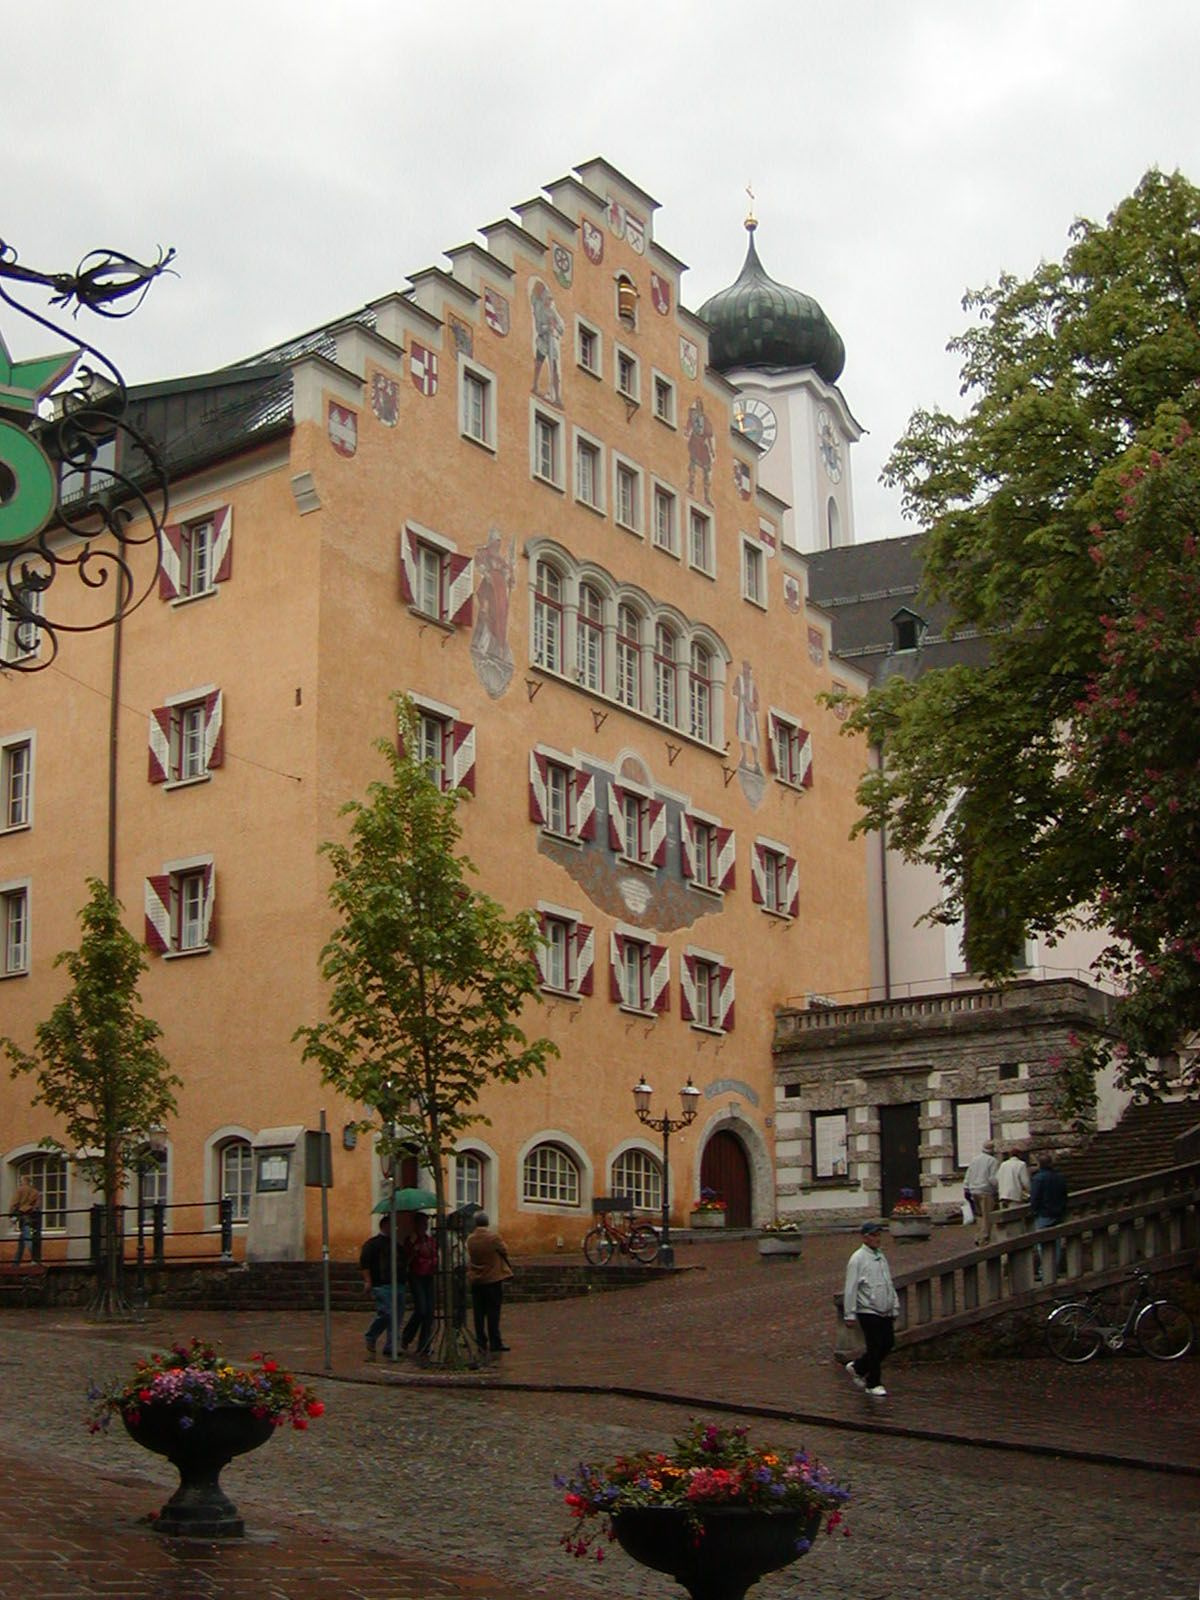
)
(980, 1184)
(870, 1299)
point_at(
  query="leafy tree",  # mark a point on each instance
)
(1058, 785)
(99, 1069)
(427, 974)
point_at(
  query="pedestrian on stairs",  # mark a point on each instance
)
(870, 1299)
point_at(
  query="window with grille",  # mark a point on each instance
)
(637, 1174)
(664, 674)
(549, 1176)
(590, 639)
(548, 618)
(16, 783)
(588, 473)
(754, 573)
(236, 1165)
(629, 657)
(700, 541)
(546, 462)
(470, 1170)
(587, 348)
(14, 929)
(700, 694)
(666, 535)
(478, 422)
(664, 399)
(48, 1174)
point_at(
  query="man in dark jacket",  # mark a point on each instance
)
(375, 1260)
(1048, 1202)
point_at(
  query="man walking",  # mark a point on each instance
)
(375, 1260)
(1012, 1180)
(1048, 1202)
(870, 1299)
(487, 1268)
(980, 1184)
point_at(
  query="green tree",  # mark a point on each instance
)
(428, 975)
(1059, 513)
(99, 1069)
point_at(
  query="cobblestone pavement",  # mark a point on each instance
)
(420, 1489)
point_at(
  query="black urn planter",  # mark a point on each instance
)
(199, 1507)
(733, 1547)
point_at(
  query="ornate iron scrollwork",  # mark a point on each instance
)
(83, 489)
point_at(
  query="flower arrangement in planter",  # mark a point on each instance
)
(716, 1511)
(196, 1408)
(709, 1210)
(780, 1240)
(909, 1218)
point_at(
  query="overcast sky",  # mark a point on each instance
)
(303, 158)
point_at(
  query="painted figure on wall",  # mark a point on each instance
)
(548, 330)
(750, 772)
(702, 449)
(495, 575)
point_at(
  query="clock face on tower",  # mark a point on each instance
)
(757, 421)
(830, 446)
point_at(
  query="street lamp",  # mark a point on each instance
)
(689, 1097)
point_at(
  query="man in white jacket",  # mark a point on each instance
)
(870, 1299)
(980, 1184)
(1012, 1180)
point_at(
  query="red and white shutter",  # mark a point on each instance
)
(687, 987)
(724, 1016)
(158, 914)
(460, 589)
(687, 845)
(170, 571)
(585, 805)
(772, 746)
(214, 730)
(209, 930)
(408, 566)
(726, 858)
(616, 968)
(616, 817)
(538, 802)
(160, 745)
(659, 995)
(460, 769)
(585, 958)
(656, 833)
(791, 894)
(758, 875)
(804, 758)
(222, 544)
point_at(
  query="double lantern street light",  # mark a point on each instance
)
(689, 1097)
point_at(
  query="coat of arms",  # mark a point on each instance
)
(343, 429)
(593, 241)
(660, 293)
(464, 337)
(423, 369)
(564, 265)
(385, 399)
(495, 312)
(816, 646)
(689, 357)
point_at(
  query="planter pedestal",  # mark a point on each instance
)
(910, 1227)
(199, 1507)
(737, 1545)
(775, 1247)
(707, 1219)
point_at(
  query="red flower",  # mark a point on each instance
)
(315, 1408)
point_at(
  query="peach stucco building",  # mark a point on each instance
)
(515, 491)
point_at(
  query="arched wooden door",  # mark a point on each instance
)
(725, 1169)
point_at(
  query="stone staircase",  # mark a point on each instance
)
(1144, 1140)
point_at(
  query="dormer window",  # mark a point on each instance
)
(908, 630)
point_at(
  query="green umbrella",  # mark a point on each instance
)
(407, 1200)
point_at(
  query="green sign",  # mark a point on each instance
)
(28, 480)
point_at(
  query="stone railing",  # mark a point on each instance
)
(1092, 1248)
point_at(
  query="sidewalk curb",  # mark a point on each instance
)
(812, 1419)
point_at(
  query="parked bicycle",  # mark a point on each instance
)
(1077, 1329)
(610, 1236)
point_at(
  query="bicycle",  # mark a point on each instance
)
(607, 1238)
(1077, 1329)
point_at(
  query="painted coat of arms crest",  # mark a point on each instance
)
(385, 399)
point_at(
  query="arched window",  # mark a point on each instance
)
(235, 1161)
(470, 1179)
(590, 639)
(547, 618)
(549, 1176)
(150, 1175)
(664, 673)
(835, 524)
(47, 1172)
(700, 694)
(637, 1174)
(629, 657)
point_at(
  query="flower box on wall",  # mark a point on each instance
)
(774, 1247)
(707, 1219)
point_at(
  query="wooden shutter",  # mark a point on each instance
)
(616, 818)
(687, 987)
(214, 729)
(616, 971)
(408, 566)
(222, 544)
(724, 1017)
(538, 803)
(660, 978)
(758, 875)
(158, 913)
(460, 588)
(170, 571)
(656, 833)
(791, 896)
(687, 846)
(585, 805)
(726, 858)
(160, 745)
(585, 958)
(460, 768)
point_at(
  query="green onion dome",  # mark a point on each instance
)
(757, 322)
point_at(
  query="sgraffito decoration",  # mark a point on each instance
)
(495, 575)
(749, 769)
(548, 330)
(76, 477)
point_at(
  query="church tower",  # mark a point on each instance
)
(780, 349)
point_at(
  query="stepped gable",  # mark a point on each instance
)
(1142, 1141)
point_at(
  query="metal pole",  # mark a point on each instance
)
(666, 1254)
(326, 1303)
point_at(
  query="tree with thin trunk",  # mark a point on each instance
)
(99, 1070)
(428, 976)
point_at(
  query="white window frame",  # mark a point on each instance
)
(697, 516)
(15, 935)
(624, 679)
(787, 750)
(552, 1175)
(549, 641)
(16, 781)
(589, 640)
(197, 575)
(637, 1173)
(21, 641)
(636, 955)
(584, 330)
(475, 381)
(626, 471)
(627, 374)
(545, 447)
(50, 1175)
(666, 674)
(664, 393)
(830, 1134)
(587, 444)
(664, 532)
(754, 572)
(775, 874)
(470, 1179)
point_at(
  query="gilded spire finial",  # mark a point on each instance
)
(751, 219)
